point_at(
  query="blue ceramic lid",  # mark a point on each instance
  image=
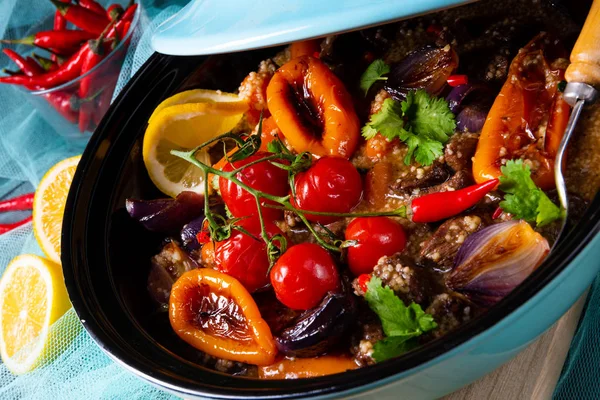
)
(222, 26)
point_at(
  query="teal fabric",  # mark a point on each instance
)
(580, 377)
(28, 147)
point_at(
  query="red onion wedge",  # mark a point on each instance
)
(495, 260)
(166, 215)
(426, 68)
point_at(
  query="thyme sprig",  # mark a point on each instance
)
(220, 228)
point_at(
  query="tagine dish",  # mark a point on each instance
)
(363, 194)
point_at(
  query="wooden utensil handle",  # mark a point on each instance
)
(585, 57)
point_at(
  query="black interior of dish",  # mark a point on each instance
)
(106, 254)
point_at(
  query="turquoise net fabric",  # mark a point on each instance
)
(28, 147)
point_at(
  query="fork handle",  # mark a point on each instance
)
(585, 57)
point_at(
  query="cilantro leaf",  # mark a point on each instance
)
(400, 322)
(425, 150)
(428, 116)
(391, 347)
(547, 211)
(372, 74)
(423, 122)
(523, 198)
(388, 121)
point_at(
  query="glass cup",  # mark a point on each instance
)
(75, 114)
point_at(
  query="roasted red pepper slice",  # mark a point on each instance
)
(529, 115)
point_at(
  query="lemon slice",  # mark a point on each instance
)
(201, 96)
(32, 297)
(49, 206)
(183, 126)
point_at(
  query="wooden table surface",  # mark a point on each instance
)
(534, 372)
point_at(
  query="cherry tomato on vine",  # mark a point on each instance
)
(245, 257)
(303, 275)
(331, 184)
(376, 237)
(263, 176)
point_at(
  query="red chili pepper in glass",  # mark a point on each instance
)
(438, 206)
(60, 23)
(65, 103)
(7, 71)
(68, 71)
(29, 68)
(65, 40)
(125, 30)
(19, 203)
(93, 56)
(9, 227)
(82, 17)
(118, 26)
(92, 5)
(45, 63)
(114, 11)
(457, 80)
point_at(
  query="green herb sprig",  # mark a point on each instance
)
(401, 323)
(423, 122)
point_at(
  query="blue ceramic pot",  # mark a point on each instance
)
(105, 260)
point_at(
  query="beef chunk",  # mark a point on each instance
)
(449, 312)
(443, 245)
(459, 151)
(423, 177)
(461, 179)
(167, 266)
(409, 282)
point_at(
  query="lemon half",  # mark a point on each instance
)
(183, 122)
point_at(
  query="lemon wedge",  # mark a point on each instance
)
(49, 206)
(32, 297)
(183, 122)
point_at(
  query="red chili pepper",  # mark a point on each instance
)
(203, 236)
(114, 11)
(46, 63)
(91, 59)
(61, 41)
(92, 5)
(120, 26)
(82, 17)
(363, 280)
(65, 103)
(19, 203)
(60, 23)
(69, 70)
(435, 29)
(437, 206)
(9, 227)
(457, 80)
(29, 68)
(7, 71)
(497, 213)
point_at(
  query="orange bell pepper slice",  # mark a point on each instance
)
(307, 367)
(305, 48)
(529, 116)
(235, 332)
(313, 109)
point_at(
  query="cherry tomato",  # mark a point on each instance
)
(303, 275)
(330, 185)
(376, 237)
(245, 257)
(263, 176)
